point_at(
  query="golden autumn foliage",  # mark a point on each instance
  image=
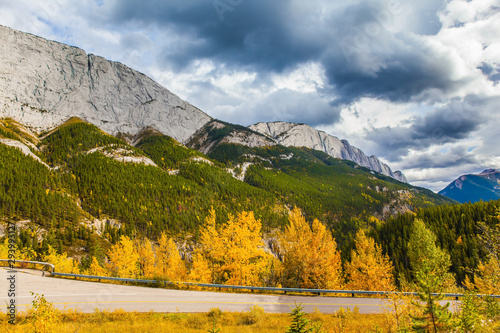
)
(232, 251)
(201, 270)
(96, 269)
(61, 262)
(487, 278)
(146, 254)
(255, 320)
(20, 254)
(123, 259)
(310, 256)
(369, 268)
(142, 258)
(168, 261)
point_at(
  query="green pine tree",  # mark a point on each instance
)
(435, 316)
(428, 258)
(300, 324)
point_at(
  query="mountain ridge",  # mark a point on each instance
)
(296, 135)
(44, 83)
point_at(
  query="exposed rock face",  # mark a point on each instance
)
(400, 176)
(215, 133)
(123, 155)
(22, 147)
(301, 135)
(44, 83)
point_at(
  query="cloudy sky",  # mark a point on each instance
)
(414, 82)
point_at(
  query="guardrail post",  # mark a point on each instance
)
(352, 295)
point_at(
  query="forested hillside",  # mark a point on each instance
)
(456, 227)
(92, 182)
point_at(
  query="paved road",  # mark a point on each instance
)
(87, 296)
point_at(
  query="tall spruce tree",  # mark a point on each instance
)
(430, 266)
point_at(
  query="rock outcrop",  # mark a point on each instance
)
(301, 135)
(44, 83)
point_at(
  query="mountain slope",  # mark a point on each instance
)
(474, 187)
(102, 178)
(44, 83)
(216, 133)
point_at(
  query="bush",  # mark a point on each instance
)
(43, 315)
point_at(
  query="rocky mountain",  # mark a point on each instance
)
(301, 135)
(44, 83)
(216, 133)
(474, 187)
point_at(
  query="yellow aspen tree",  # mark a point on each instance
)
(123, 259)
(294, 248)
(169, 261)
(244, 258)
(369, 268)
(200, 271)
(233, 252)
(96, 268)
(26, 253)
(208, 253)
(146, 254)
(62, 263)
(324, 266)
(4, 249)
(487, 278)
(310, 255)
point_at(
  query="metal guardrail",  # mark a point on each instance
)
(31, 262)
(251, 288)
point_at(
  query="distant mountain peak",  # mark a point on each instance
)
(474, 187)
(489, 171)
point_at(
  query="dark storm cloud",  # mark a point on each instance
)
(451, 123)
(255, 34)
(134, 41)
(295, 107)
(352, 41)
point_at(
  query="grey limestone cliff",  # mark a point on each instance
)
(44, 83)
(301, 135)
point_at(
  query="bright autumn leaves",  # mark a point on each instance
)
(233, 253)
(303, 256)
(310, 256)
